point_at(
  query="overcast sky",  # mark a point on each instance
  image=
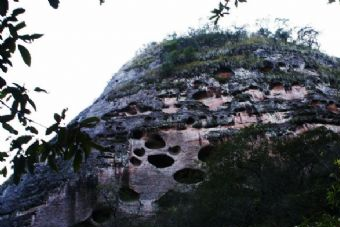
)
(84, 44)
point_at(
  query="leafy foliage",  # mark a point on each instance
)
(223, 9)
(309, 37)
(71, 142)
(254, 181)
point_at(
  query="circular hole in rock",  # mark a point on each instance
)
(267, 66)
(135, 161)
(101, 215)
(161, 160)
(276, 86)
(139, 152)
(137, 134)
(198, 83)
(281, 64)
(174, 150)
(190, 120)
(224, 74)
(201, 95)
(189, 176)
(205, 152)
(155, 141)
(127, 194)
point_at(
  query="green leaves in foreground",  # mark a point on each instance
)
(54, 3)
(69, 143)
(223, 9)
(25, 54)
(332, 1)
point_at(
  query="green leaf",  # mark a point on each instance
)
(51, 162)
(17, 11)
(78, 158)
(36, 36)
(3, 172)
(52, 128)
(20, 26)
(32, 104)
(32, 130)
(2, 82)
(63, 113)
(30, 38)
(32, 156)
(3, 7)
(70, 152)
(18, 142)
(97, 146)
(19, 165)
(38, 89)
(54, 3)
(25, 54)
(3, 156)
(9, 128)
(6, 118)
(57, 118)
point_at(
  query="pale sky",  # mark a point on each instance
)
(84, 44)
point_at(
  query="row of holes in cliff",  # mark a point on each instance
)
(154, 142)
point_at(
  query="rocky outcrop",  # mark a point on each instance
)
(159, 126)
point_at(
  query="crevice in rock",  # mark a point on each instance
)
(139, 152)
(202, 95)
(276, 86)
(190, 120)
(281, 64)
(155, 141)
(174, 150)
(224, 74)
(198, 83)
(135, 161)
(189, 176)
(161, 160)
(131, 109)
(267, 66)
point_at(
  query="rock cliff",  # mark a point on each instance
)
(160, 116)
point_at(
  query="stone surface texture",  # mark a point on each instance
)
(155, 125)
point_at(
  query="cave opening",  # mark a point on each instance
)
(201, 95)
(174, 150)
(139, 152)
(189, 176)
(135, 161)
(155, 141)
(161, 160)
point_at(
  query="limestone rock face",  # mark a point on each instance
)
(159, 126)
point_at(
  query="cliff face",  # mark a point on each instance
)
(160, 116)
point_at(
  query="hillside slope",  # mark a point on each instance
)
(161, 116)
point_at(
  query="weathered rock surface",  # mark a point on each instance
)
(159, 128)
